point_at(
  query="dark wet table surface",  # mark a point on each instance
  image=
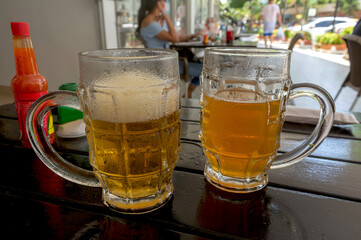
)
(317, 198)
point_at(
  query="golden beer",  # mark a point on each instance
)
(240, 132)
(134, 141)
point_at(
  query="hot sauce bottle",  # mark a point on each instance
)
(27, 85)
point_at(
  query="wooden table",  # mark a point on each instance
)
(318, 198)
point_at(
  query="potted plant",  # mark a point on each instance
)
(347, 31)
(288, 34)
(307, 39)
(330, 40)
(260, 33)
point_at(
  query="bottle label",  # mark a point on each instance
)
(23, 103)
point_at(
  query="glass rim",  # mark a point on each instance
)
(249, 52)
(161, 54)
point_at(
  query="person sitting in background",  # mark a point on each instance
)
(156, 30)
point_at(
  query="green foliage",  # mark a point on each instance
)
(237, 3)
(323, 1)
(227, 13)
(288, 33)
(306, 35)
(234, 10)
(291, 34)
(318, 39)
(347, 31)
(329, 38)
(252, 8)
(348, 6)
(237, 9)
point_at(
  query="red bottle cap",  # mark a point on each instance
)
(20, 29)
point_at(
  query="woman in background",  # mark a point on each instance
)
(156, 30)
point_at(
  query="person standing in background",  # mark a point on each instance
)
(270, 14)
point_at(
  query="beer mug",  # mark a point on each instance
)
(130, 100)
(243, 96)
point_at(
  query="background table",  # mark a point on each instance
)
(200, 44)
(318, 198)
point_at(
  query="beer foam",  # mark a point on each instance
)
(239, 96)
(131, 97)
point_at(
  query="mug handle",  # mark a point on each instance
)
(324, 125)
(41, 145)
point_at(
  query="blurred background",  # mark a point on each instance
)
(61, 29)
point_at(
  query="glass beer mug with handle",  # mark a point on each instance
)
(131, 104)
(243, 96)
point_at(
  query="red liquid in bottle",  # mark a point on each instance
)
(27, 85)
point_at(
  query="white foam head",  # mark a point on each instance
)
(131, 97)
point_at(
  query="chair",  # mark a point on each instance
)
(184, 74)
(353, 79)
(183, 71)
(294, 40)
(188, 68)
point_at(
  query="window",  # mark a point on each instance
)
(119, 19)
(127, 22)
(181, 17)
(201, 14)
(323, 24)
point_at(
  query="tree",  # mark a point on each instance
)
(238, 9)
(250, 9)
(302, 6)
(348, 6)
(230, 14)
(237, 3)
(253, 9)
